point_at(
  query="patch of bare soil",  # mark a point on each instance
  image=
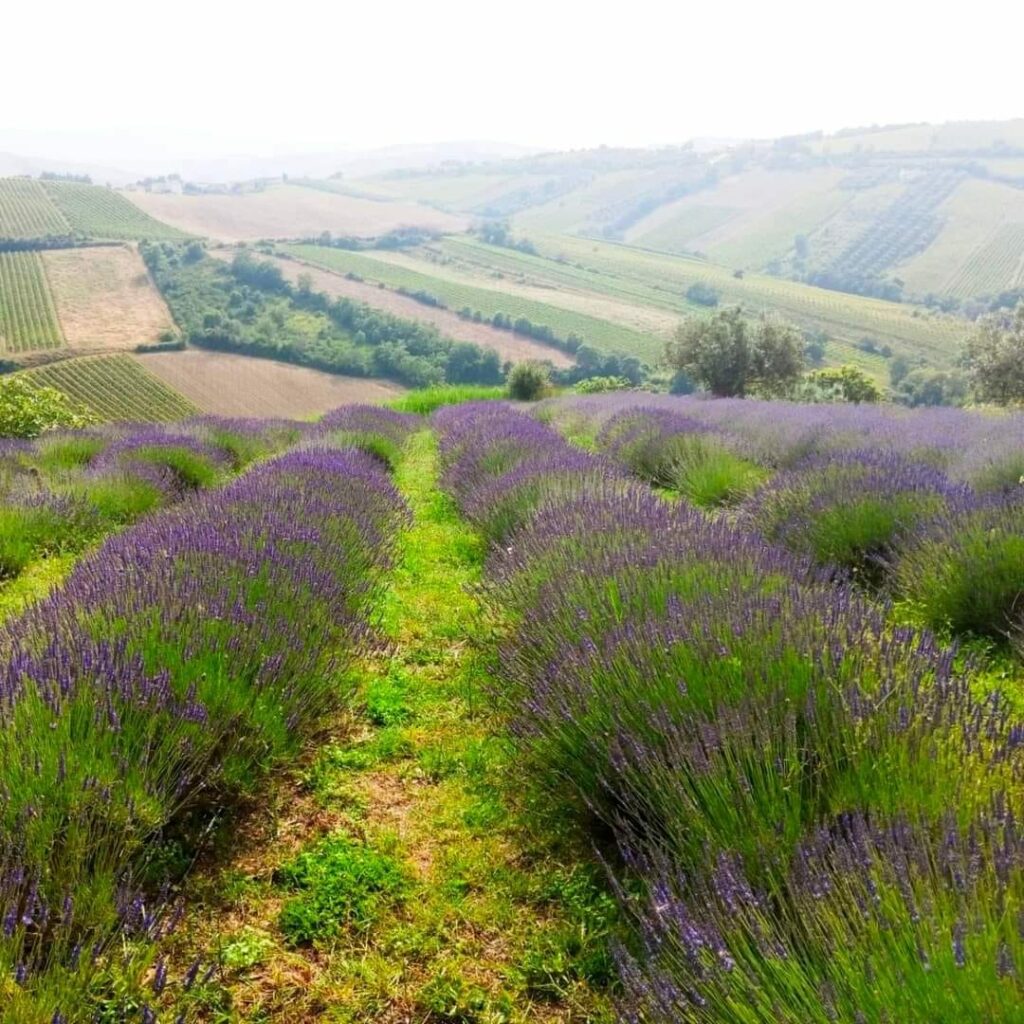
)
(237, 385)
(105, 298)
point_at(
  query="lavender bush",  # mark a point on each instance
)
(814, 810)
(180, 660)
(850, 509)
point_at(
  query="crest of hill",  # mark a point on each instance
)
(908, 212)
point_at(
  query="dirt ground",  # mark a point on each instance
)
(237, 385)
(104, 297)
(508, 345)
(288, 211)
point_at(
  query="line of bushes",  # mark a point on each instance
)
(178, 663)
(808, 814)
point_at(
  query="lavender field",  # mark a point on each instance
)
(610, 708)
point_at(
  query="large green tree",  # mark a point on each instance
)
(994, 356)
(730, 354)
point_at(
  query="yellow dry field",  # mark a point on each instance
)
(288, 211)
(105, 299)
(235, 385)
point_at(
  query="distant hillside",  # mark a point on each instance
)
(288, 211)
(904, 212)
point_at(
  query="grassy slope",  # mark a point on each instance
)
(487, 297)
(491, 923)
(977, 251)
(663, 279)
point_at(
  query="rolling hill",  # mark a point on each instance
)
(904, 211)
(287, 211)
(31, 209)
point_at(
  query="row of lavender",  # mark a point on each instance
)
(813, 816)
(179, 661)
(926, 505)
(66, 489)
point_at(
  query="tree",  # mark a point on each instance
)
(898, 370)
(994, 355)
(703, 294)
(844, 384)
(527, 381)
(729, 355)
(27, 410)
(814, 346)
(932, 387)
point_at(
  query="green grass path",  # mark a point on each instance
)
(393, 878)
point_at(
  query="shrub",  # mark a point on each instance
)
(850, 509)
(27, 410)
(674, 451)
(600, 385)
(965, 572)
(703, 294)
(526, 382)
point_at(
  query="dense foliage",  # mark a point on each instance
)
(27, 409)
(995, 358)
(247, 306)
(730, 355)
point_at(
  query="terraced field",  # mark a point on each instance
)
(98, 212)
(996, 265)
(966, 254)
(28, 316)
(114, 387)
(27, 211)
(487, 296)
(747, 220)
(509, 345)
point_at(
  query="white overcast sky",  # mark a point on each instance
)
(110, 78)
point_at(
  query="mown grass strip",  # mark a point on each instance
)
(401, 883)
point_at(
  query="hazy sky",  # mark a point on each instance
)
(111, 78)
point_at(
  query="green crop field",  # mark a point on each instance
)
(98, 212)
(658, 280)
(600, 334)
(996, 265)
(114, 388)
(28, 317)
(27, 211)
(663, 279)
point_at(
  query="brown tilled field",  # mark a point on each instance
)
(288, 211)
(104, 298)
(508, 345)
(234, 385)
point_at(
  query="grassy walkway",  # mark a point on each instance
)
(391, 880)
